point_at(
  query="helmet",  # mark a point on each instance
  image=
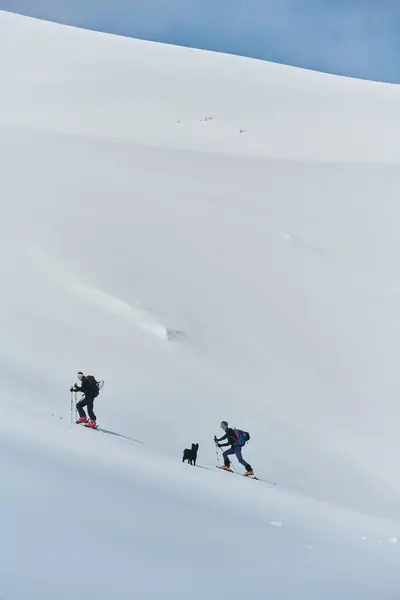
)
(224, 423)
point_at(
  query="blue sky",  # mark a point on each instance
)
(360, 38)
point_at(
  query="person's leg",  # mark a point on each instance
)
(90, 402)
(225, 454)
(79, 408)
(238, 452)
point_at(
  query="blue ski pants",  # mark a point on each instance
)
(238, 451)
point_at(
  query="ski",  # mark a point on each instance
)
(265, 481)
(249, 476)
(236, 473)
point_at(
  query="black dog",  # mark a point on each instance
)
(191, 455)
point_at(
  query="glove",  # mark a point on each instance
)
(71, 389)
(215, 438)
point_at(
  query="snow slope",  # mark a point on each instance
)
(217, 238)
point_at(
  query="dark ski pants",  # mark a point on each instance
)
(238, 451)
(86, 401)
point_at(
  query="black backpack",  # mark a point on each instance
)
(95, 385)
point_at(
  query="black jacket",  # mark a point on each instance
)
(230, 436)
(86, 388)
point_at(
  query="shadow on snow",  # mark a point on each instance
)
(126, 437)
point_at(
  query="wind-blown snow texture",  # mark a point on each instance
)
(217, 238)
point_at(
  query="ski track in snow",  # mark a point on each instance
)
(136, 315)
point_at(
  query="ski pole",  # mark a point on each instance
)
(216, 452)
(74, 397)
(232, 466)
(235, 470)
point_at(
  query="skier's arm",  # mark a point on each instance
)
(217, 440)
(75, 388)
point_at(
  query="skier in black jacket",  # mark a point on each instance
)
(90, 391)
(235, 448)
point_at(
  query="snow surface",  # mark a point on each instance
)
(217, 238)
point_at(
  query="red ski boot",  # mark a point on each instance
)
(91, 424)
(81, 420)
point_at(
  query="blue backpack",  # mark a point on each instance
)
(242, 436)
